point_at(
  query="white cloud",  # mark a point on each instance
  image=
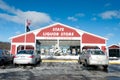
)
(19, 16)
(18, 32)
(110, 14)
(109, 35)
(7, 8)
(72, 18)
(79, 15)
(75, 17)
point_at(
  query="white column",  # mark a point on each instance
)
(58, 42)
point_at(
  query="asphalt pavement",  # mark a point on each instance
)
(59, 71)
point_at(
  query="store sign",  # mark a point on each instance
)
(58, 31)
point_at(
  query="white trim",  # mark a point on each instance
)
(78, 30)
(81, 44)
(61, 38)
(22, 34)
(90, 44)
(113, 44)
(23, 44)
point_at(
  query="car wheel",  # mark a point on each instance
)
(85, 64)
(35, 63)
(79, 61)
(40, 61)
(15, 65)
(105, 67)
(2, 62)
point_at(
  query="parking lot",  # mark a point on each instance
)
(58, 71)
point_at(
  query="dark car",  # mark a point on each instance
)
(5, 57)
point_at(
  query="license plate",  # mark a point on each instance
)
(22, 56)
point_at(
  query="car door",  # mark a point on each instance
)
(4, 56)
(36, 56)
(8, 56)
(1, 55)
(82, 56)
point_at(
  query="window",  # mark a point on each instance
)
(97, 52)
(25, 52)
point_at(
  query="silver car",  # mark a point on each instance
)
(94, 57)
(26, 57)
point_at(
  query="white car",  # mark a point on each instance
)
(26, 57)
(94, 57)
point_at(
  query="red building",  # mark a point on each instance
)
(114, 51)
(69, 39)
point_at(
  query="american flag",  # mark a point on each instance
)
(28, 22)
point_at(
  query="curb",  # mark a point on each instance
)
(114, 62)
(73, 61)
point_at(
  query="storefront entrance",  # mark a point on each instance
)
(58, 47)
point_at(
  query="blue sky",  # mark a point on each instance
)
(100, 17)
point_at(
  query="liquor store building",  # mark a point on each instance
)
(57, 39)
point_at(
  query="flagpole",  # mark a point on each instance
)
(25, 37)
(27, 24)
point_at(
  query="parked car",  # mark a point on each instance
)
(5, 57)
(26, 57)
(94, 57)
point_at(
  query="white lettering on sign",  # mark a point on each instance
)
(58, 32)
(58, 29)
(50, 34)
(67, 34)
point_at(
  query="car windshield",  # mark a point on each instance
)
(25, 52)
(97, 52)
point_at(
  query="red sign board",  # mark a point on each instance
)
(58, 31)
